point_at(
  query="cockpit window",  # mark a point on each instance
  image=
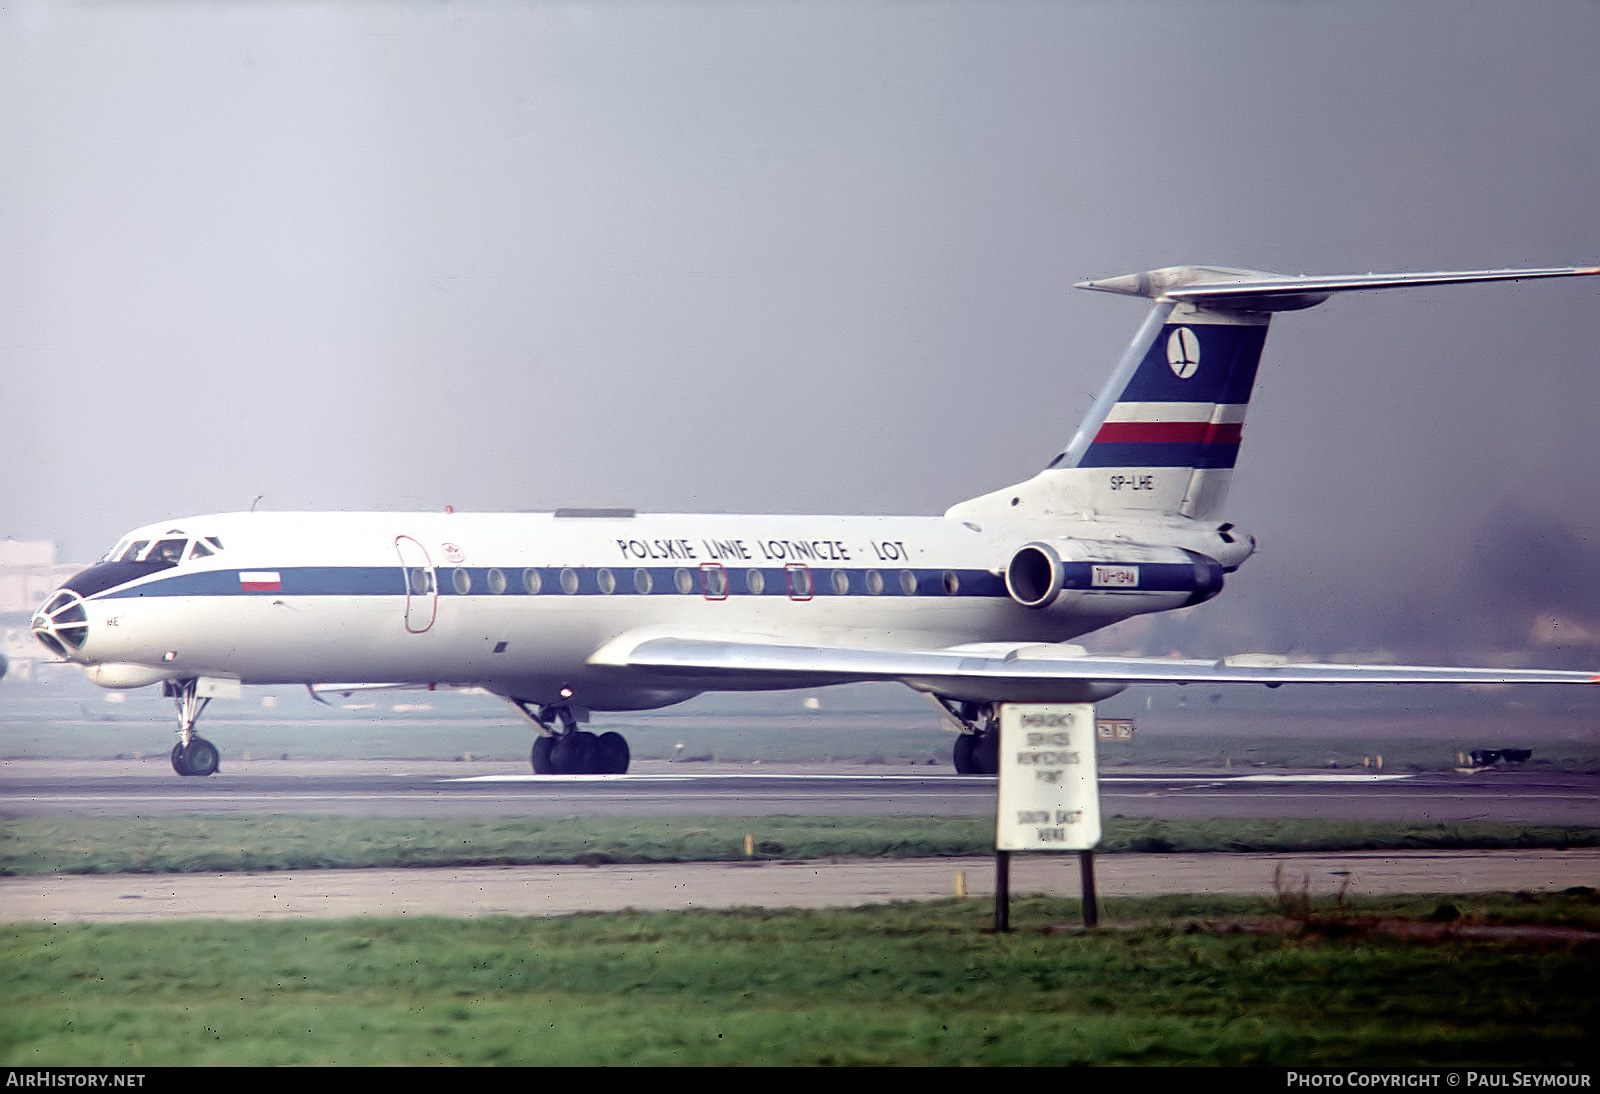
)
(168, 550)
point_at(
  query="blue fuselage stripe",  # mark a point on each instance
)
(663, 581)
(392, 581)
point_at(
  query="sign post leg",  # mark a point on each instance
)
(1091, 903)
(1002, 891)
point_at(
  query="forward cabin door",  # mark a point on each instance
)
(422, 584)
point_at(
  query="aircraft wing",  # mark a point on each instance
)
(1025, 667)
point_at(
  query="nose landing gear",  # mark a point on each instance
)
(193, 754)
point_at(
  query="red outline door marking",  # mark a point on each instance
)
(416, 568)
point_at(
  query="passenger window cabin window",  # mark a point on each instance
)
(908, 583)
(532, 582)
(799, 578)
(755, 581)
(641, 582)
(461, 581)
(714, 581)
(497, 582)
(874, 582)
(841, 582)
(683, 581)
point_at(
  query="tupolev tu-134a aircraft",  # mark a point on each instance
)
(586, 610)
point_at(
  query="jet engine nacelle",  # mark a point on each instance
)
(1075, 572)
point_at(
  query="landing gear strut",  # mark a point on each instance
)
(977, 749)
(193, 754)
(568, 750)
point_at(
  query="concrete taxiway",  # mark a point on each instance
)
(656, 788)
(564, 890)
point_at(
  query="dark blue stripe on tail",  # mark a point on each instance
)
(1224, 367)
(1157, 454)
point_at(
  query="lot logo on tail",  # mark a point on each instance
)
(1183, 353)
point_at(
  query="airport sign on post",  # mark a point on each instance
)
(1049, 796)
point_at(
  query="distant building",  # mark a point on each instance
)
(28, 572)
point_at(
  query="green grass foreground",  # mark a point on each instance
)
(901, 984)
(191, 844)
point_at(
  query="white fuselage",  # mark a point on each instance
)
(520, 603)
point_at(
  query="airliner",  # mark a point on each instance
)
(582, 611)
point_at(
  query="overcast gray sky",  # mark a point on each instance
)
(803, 257)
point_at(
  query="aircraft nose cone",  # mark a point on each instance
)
(62, 625)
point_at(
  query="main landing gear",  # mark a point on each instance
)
(193, 754)
(568, 750)
(977, 749)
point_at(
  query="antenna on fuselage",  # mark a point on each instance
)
(256, 502)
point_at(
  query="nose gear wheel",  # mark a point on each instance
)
(198, 757)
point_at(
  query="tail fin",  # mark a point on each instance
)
(1162, 436)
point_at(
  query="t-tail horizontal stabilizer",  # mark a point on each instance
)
(1255, 290)
(1162, 436)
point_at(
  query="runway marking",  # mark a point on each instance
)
(944, 777)
(1362, 778)
(1418, 795)
(229, 798)
(686, 776)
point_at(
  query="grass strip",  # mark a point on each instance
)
(209, 843)
(909, 984)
